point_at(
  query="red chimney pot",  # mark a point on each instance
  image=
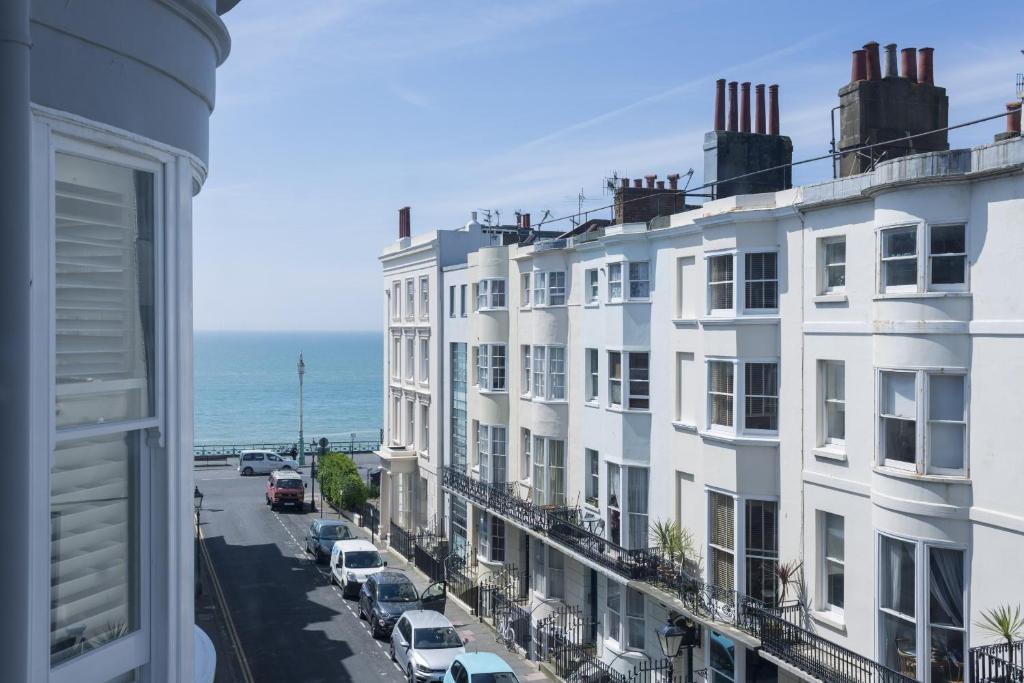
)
(925, 65)
(638, 182)
(733, 113)
(650, 180)
(745, 107)
(673, 181)
(908, 63)
(660, 184)
(859, 66)
(526, 220)
(720, 104)
(874, 67)
(404, 223)
(625, 182)
(759, 108)
(773, 109)
(1013, 117)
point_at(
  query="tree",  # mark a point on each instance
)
(1003, 622)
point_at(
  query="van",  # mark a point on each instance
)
(264, 462)
(285, 487)
(352, 561)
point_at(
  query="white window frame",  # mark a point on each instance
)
(709, 392)
(923, 258)
(410, 358)
(632, 280)
(951, 287)
(730, 284)
(825, 560)
(524, 290)
(410, 299)
(592, 288)
(922, 427)
(558, 294)
(52, 136)
(626, 382)
(613, 620)
(526, 377)
(424, 360)
(490, 528)
(747, 281)
(491, 443)
(824, 401)
(525, 459)
(824, 269)
(424, 298)
(592, 475)
(635, 619)
(490, 294)
(747, 396)
(592, 376)
(396, 300)
(543, 494)
(424, 410)
(545, 378)
(739, 396)
(486, 366)
(540, 288)
(616, 286)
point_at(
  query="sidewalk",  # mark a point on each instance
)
(479, 637)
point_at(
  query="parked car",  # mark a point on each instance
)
(423, 644)
(480, 667)
(321, 537)
(386, 596)
(352, 562)
(285, 487)
(264, 462)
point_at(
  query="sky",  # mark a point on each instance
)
(333, 114)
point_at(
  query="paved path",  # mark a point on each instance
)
(291, 624)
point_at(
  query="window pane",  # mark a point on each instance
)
(761, 281)
(639, 285)
(947, 661)
(899, 639)
(899, 439)
(946, 446)
(835, 380)
(94, 570)
(897, 576)
(835, 253)
(104, 226)
(902, 272)
(721, 388)
(639, 375)
(946, 590)
(946, 397)
(948, 270)
(901, 242)
(835, 584)
(762, 388)
(834, 536)
(948, 239)
(898, 397)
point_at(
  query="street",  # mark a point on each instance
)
(291, 624)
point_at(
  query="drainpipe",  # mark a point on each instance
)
(15, 130)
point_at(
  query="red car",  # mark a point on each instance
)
(285, 487)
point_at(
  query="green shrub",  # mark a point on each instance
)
(336, 473)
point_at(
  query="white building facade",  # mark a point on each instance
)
(810, 378)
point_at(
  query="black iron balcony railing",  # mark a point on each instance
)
(1003, 662)
(638, 564)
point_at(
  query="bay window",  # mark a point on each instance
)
(548, 471)
(639, 280)
(490, 294)
(490, 374)
(720, 393)
(935, 399)
(548, 371)
(106, 233)
(556, 288)
(540, 289)
(942, 267)
(761, 278)
(627, 497)
(524, 290)
(614, 282)
(635, 395)
(720, 283)
(761, 388)
(758, 412)
(491, 453)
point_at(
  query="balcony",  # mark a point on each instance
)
(1002, 663)
(779, 628)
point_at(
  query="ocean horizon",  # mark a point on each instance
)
(246, 386)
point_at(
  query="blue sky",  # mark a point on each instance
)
(333, 114)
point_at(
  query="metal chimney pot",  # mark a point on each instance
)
(890, 61)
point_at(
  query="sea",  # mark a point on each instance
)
(247, 386)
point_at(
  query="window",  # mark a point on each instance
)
(761, 277)
(833, 265)
(539, 356)
(720, 393)
(897, 613)
(762, 397)
(491, 538)
(451, 301)
(614, 282)
(424, 298)
(593, 483)
(591, 293)
(721, 658)
(424, 427)
(396, 300)
(396, 357)
(634, 619)
(458, 407)
(396, 420)
(832, 563)
(592, 377)
(721, 540)
(637, 389)
(936, 399)
(556, 288)
(540, 286)
(947, 257)
(639, 280)
(410, 355)
(490, 374)
(720, 282)
(833, 382)
(636, 506)
(527, 371)
(762, 550)
(424, 360)
(524, 456)
(548, 372)
(462, 300)
(548, 471)
(491, 454)
(614, 504)
(539, 584)
(410, 425)
(490, 294)
(555, 574)
(946, 628)
(524, 296)
(614, 605)
(899, 259)
(410, 299)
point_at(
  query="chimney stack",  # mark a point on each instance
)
(625, 182)
(673, 181)
(773, 109)
(637, 182)
(908, 63)
(650, 181)
(759, 109)
(859, 66)
(1012, 122)
(660, 184)
(733, 114)
(924, 65)
(890, 61)
(648, 199)
(871, 57)
(745, 107)
(404, 223)
(526, 221)
(720, 104)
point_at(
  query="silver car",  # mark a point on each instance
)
(423, 644)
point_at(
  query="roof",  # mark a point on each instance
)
(483, 662)
(350, 544)
(329, 522)
(426, 618)
(286, 474)
(391, 576)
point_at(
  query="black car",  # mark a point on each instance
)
(321, 537)
(387, 595)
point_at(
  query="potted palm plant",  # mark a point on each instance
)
(676, 543)
(1004, 622)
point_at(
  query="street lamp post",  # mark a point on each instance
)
(302, 441)
(671, 637)
(197, 502)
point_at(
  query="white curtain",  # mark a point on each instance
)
(636, 505)
(947, 587)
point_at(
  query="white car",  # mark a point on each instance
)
(424, 644)
(351, 562)
(264, 462)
